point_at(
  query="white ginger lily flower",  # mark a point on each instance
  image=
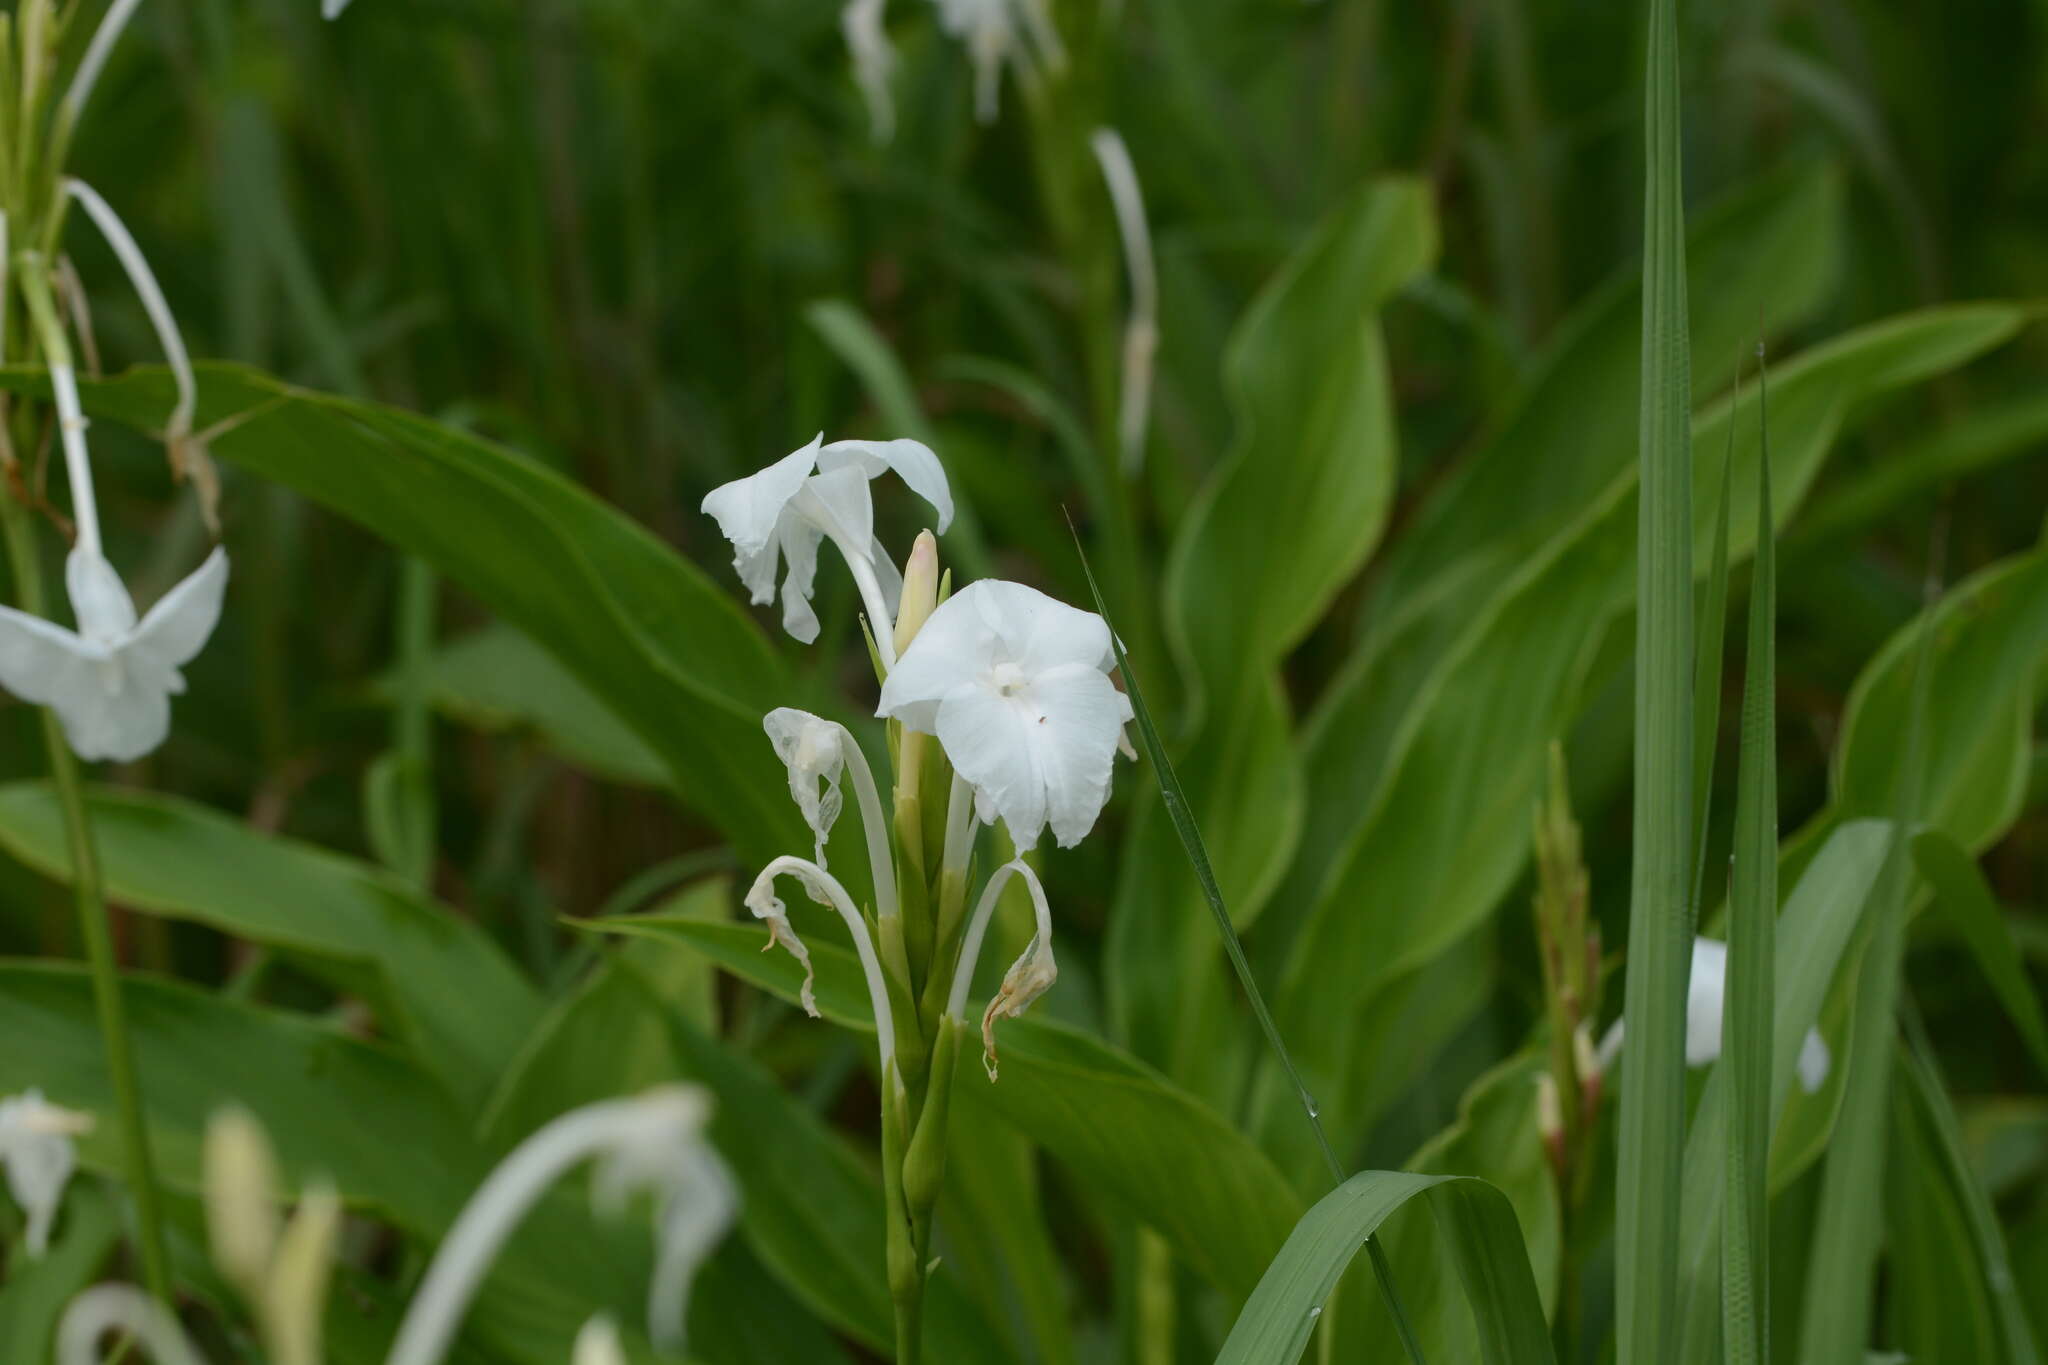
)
(873, 61)
(822, 887)
(36, 1148)
(816, 751)
(652, 1142)
(1703, 1021)
(782, 512)
(1016, 686)
(1030, 976)
(111, 681)
(989, 29)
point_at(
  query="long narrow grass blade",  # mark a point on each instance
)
(1660, 903)
(1746, 1038)
(1966, 899)
(1706, 677)
(1182, 815)
(1849, 1223)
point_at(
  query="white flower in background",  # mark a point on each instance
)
(1030, 976)
(598, 1344)
(653, 1143)
(781, 513)
(281, 1267)
(111, 681)
(1703, 1002)
(873, 61)
(36, 1148)
(122, 1308)
(1016, 687)
(1141, 329)
(989, 29)
(331, 9)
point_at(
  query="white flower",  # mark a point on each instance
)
(111, 681)
(873, 59)
(123, 1308)
(1016, 687)
(781, 513)
(652, 1142)
(989, 29)
(1703, 1020)
(811, 748)
(35, 1146)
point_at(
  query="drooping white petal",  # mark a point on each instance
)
(36, 1147)
(799, 541)
(1081, 721)
(988, 738)
(701, 1205)
(810, 747)
(40, 661)
(121, 718)
(914, 463)
(174, 630)
(99, 600)
(768, 907)
(1030, 976)
(749, 510)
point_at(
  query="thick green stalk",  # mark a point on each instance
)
(1652, 1139)
(1747, 1048)
(99, 939)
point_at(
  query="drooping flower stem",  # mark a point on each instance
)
(93, 924)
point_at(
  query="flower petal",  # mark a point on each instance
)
(954, 647)
(747, 510)
(914, 463)
(99, 599)
(1038, 632)
(178, 626)
(839, 504)
(799, 540)
(990, 739)
(1081, 718)
(810, 747)
(1703, 1001)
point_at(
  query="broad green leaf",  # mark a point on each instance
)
(1966, 899)
(356, 925)
(1118, 1125)
(1496, 1140)
(667, 649)
(1474, 1219)
(497, 679)
(1572, 433)
(1815, 929)
(1448, 833)
(1280, 527)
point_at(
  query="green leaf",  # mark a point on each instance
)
(497, 679)
(1439, 846)
(669, 651)
(355, 925)
(1815, 929)
(1747, 1050)
(1651, 1149)
(1113, 1121)
(37, 1292)
(1475, 1219)
(1966, 898)
(1281, 526)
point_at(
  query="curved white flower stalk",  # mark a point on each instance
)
(95, 59)
(36, 1148)
(1016, 686)
(1141, 330)
(874, 60)
(822, 887)
(1703, 1002)
(821, 491)
(189, 459)
(122, 1308)
(1029, 977)
(652, 1141)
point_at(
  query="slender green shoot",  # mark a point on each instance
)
(1706, 678)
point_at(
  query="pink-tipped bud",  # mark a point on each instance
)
(920, 590)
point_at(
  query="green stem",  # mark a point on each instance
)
(99, 940)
